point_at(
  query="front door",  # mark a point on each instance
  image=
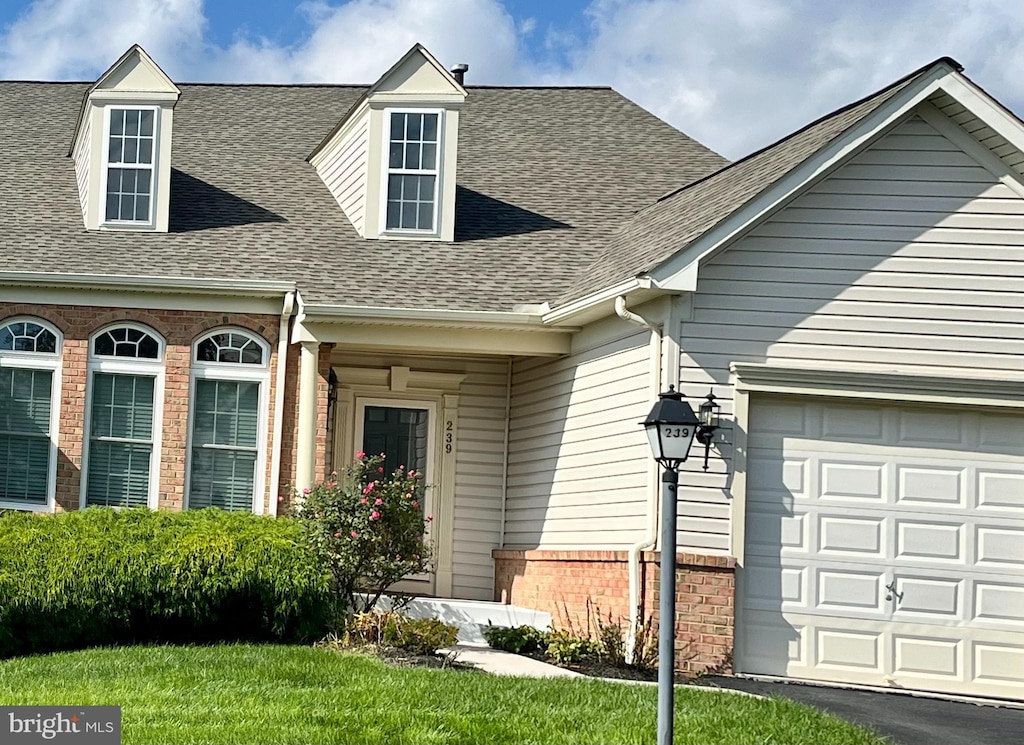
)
(401, 433)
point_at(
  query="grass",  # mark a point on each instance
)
(289, 694)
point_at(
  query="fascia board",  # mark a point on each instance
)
(676, 273)
(986, 108)
(412, 316)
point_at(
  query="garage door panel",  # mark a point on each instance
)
(927, 541)
(1000, 547)
(852, 423)
(1000, 490)
(931, 485)
(941, 599)
(839, 534)
(846, 480)
(931, 656)
(845, 499)
(845, 648)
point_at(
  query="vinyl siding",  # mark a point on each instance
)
(343, 170)
(82, 164)
(908, 258)
(578, 459)
(479, 461)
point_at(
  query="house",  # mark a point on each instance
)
(211, 294)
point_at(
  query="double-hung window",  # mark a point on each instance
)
(412, 172)
(230, 377)
(29, 393)
(125, 400)
(130, 157)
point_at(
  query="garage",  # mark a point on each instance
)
(883, 545)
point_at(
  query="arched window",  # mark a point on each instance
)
(230, 378)
(125, 392)
(29, 407)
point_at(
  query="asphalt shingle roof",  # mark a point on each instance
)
(545, 177)
(664, 228)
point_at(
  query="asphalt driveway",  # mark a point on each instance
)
(908, 720)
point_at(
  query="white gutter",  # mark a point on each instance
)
(329, 313)
(128, 283)
(651, 534)
(569, 310)
(282, 364)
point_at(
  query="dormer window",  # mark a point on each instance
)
(412, 171)
(131, 148)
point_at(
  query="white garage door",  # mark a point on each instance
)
(845, 500)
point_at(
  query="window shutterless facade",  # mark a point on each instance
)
(29, 413)
(412, 172)
(129, 165)
(227, 433)
(123, 417)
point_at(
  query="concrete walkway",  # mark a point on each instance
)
(497, 662)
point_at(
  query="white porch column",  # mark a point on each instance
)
(305, 446)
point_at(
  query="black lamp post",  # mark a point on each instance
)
(671, 428)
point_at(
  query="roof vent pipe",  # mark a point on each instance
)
(459, 72)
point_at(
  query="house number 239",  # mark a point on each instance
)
(449, 435)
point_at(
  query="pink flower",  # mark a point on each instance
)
(382, 455)
(416, 504)
(360, 455)
(355, 534)
(401, 467)
(412, 473)
(337, 535)
(398, 557)
(332, 484)
(378, 501)
(375, 515)
(280, 497)
(364, 500)
(430, 518)
(305, 491)
(380, 469)
(409, 495)
(334, 474)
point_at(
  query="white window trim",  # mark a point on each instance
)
(206, 370)
(433, 456)
(40, 361)
(386, 171)
(127, 366)
(154, 167)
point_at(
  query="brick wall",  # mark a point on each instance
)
(180, 329)
(571, 585)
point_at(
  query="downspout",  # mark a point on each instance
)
(279, 382)
(504, 465)
(651, 533)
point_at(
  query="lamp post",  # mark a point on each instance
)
(671, 428)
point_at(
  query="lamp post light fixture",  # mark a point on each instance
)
(671, 429)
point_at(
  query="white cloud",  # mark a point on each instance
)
(735, 75)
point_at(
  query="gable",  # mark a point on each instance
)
(416, 73)
(135, 72)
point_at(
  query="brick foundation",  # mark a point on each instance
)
(574, 585)
(180, 329)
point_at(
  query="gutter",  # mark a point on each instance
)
(384, 314)
(139, 283)
(282, 363)
(651, 533)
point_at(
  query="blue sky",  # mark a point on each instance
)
(735, 74)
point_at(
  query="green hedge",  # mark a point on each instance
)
(103, 576)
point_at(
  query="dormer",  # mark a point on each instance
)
(391, 161)
(122, 146)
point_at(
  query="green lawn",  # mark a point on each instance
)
(281, 694)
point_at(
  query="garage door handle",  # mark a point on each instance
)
(891, 587)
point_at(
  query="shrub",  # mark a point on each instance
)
(565, 647)
(103, 576)
(367, 527)
(518, 639)
(391, 629)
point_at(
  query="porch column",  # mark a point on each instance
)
(305, 446)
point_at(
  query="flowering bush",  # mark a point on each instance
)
(368, 526)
